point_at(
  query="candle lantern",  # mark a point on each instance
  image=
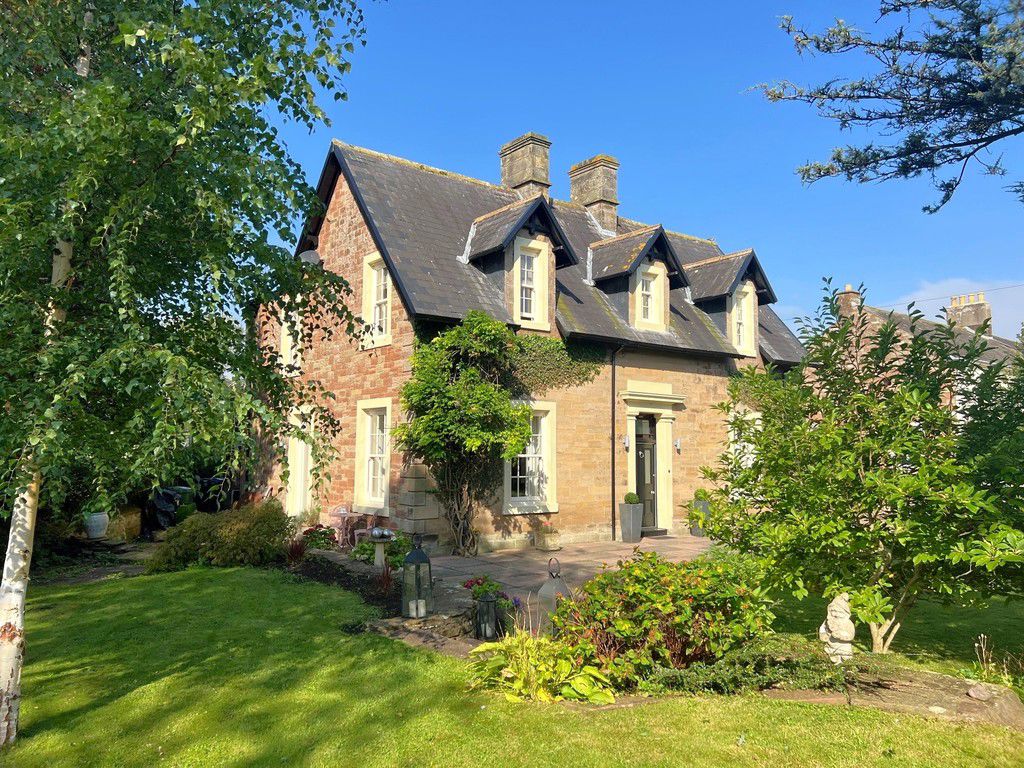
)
(487, 617)
(417, 584)
(548, 595)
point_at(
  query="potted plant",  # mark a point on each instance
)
(547, 538)
(698, 513)
(631, 516)
(96, 524)
(495, 610)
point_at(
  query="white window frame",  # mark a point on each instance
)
(542, 450)
(646, 297)
(372, 455)
(742, 318)
(290, 347)
(543, 261)
(377, 293)
(527, 289)
(655, 300)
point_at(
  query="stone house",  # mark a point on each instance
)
(421, 247)
(969, 312)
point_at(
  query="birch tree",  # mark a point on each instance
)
(142, 181)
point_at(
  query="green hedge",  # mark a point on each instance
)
(255, 534)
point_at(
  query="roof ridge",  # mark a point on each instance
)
(420, 166)
(635, 233)
(715, 259)
(939, 324)
(507, 207)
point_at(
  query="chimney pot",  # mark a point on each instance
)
(594, 183)
(525, 164)
(970, 310)
(849, 301)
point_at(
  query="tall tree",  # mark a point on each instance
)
(142, 180)
(858, 472)
(945, 87)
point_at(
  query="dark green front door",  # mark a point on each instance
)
(647, 471)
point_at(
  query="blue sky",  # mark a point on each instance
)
(666, 88)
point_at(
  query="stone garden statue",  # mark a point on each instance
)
(837, 631)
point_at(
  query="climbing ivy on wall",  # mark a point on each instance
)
(543, 364)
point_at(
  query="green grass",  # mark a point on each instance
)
(245, 667)
(935, 636)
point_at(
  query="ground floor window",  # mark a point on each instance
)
(373, 455)
(530, 476)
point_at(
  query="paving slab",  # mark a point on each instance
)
(523, 572)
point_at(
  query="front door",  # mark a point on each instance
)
(647, 471)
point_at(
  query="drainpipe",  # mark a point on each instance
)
(615, 353)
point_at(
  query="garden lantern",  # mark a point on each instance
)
(417, 584)
(547, 597)
(487, 617)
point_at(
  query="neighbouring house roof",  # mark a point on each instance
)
(620, 255)
(998, 348)
(432, 227)
(779, 345)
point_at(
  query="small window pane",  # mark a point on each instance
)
(376, 453)
(527, 469)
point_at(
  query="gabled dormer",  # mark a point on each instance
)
(730, 288)
(524, 245)
(640, 269)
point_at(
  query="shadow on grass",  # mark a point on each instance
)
(172, 659)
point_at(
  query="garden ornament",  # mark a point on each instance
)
(837, 631)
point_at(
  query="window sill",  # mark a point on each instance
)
(378, 508)
(512, 508)
(643, 325)
(534, 325)
(373, 342)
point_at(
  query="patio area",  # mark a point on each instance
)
(523, 571)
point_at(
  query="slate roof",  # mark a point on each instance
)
(619, 255)
(718, 276)
(779, 345)
(493, 231)
(999, 348)
(430, 225)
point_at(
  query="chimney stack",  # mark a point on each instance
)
(849, 301)
(970, 310)
(525, 165)
(594, 183)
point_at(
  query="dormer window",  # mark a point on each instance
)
(650, 296)
(742, 318)
(531, 260)
(527, 292)
(647, 299)
(376, 302)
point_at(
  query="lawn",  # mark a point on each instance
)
(245, 667)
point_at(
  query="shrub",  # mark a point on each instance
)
(507, 605)
(320, 536)
(631, 498)
(255, 534)
(523, 666)
(776, 661)
(651, 613)
(394, 551)
(295, 552)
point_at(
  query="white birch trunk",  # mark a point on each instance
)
(12, 605)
